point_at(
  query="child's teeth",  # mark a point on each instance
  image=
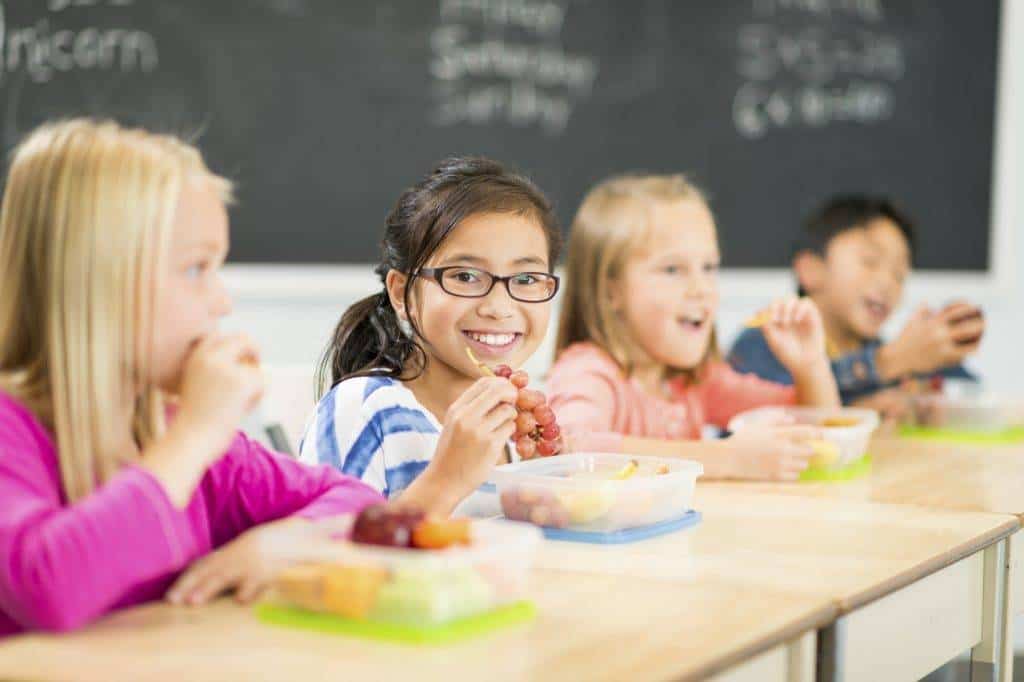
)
(494, 339)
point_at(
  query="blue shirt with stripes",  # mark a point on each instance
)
(372, 428)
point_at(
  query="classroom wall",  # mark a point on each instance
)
(291, 312)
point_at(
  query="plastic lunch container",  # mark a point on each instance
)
(980, 413)
(586, 491)
(847, 428)
(412, 587)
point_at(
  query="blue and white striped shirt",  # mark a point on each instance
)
(372, 428)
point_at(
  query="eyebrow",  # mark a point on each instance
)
(474, 260)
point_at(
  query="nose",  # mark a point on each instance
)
(498, 304)
(698, 285)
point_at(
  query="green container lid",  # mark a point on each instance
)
(445, 633)
(855, 469)
(1010, 436)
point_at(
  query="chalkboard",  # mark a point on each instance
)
(323, 111)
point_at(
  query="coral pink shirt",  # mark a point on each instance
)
(597, 404)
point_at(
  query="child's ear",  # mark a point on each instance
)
(809, 268)
(394, 282)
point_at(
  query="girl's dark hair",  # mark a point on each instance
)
(848, 212)
(369, 339)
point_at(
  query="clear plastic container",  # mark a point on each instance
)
(585, 491)
(966, 413)
(415, 588)
(847, 429)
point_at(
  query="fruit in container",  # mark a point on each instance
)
(587, 506)
(826, 454)
(423, 596)
(539, 507)
(389, 527)
(386, 526)
(839, 422)
(432, 533)
(348, 591)
(351, 591)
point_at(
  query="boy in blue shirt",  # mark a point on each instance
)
(852, 259)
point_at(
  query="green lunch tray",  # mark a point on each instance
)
(1009, 436)
(453, 631)
(855, 469)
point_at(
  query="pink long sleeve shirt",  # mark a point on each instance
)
(597, 404)
(63, 565)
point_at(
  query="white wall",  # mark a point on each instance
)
(292, 312)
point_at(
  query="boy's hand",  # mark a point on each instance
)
(795, 334)
(932, 340)
(892, 404)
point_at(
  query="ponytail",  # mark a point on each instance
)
(368, 340)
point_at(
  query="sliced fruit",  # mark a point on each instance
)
(441, 533)
(351, 591)
(759, 320)
(833, 422)
(586, 506)
(826, 454)
(302, 586)
(627, 471)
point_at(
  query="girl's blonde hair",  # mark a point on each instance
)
(613, 222)
(83, 226)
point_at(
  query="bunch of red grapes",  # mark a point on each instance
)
(537, 433)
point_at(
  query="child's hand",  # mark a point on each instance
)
(795, 334)
(932, 340)
(222, 382)
(771, 453)
(892, 404)
(248, 563)
(476, 429)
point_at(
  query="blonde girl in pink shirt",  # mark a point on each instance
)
(638, 367)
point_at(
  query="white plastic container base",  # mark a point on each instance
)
(849, 429)
(581, 491)
(413, 587)
(970, 414)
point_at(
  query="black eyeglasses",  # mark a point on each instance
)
(459, 280)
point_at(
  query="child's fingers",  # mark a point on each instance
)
(497, 392)
(482, 388)
(502, 413)
(791, 307)
(187, 581)
(216, 580)
(967, 330)
(959, 311)
(249, 590)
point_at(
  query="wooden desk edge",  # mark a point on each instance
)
(812, 622)
(897, 582)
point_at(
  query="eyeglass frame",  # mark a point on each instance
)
(437, 274)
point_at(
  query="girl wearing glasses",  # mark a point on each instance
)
(638, 358)
(467, 260)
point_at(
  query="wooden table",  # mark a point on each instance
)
(948, 477)
(589, 627)
(918, 586)
(892, 589)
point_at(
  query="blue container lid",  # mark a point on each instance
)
(625, 535)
